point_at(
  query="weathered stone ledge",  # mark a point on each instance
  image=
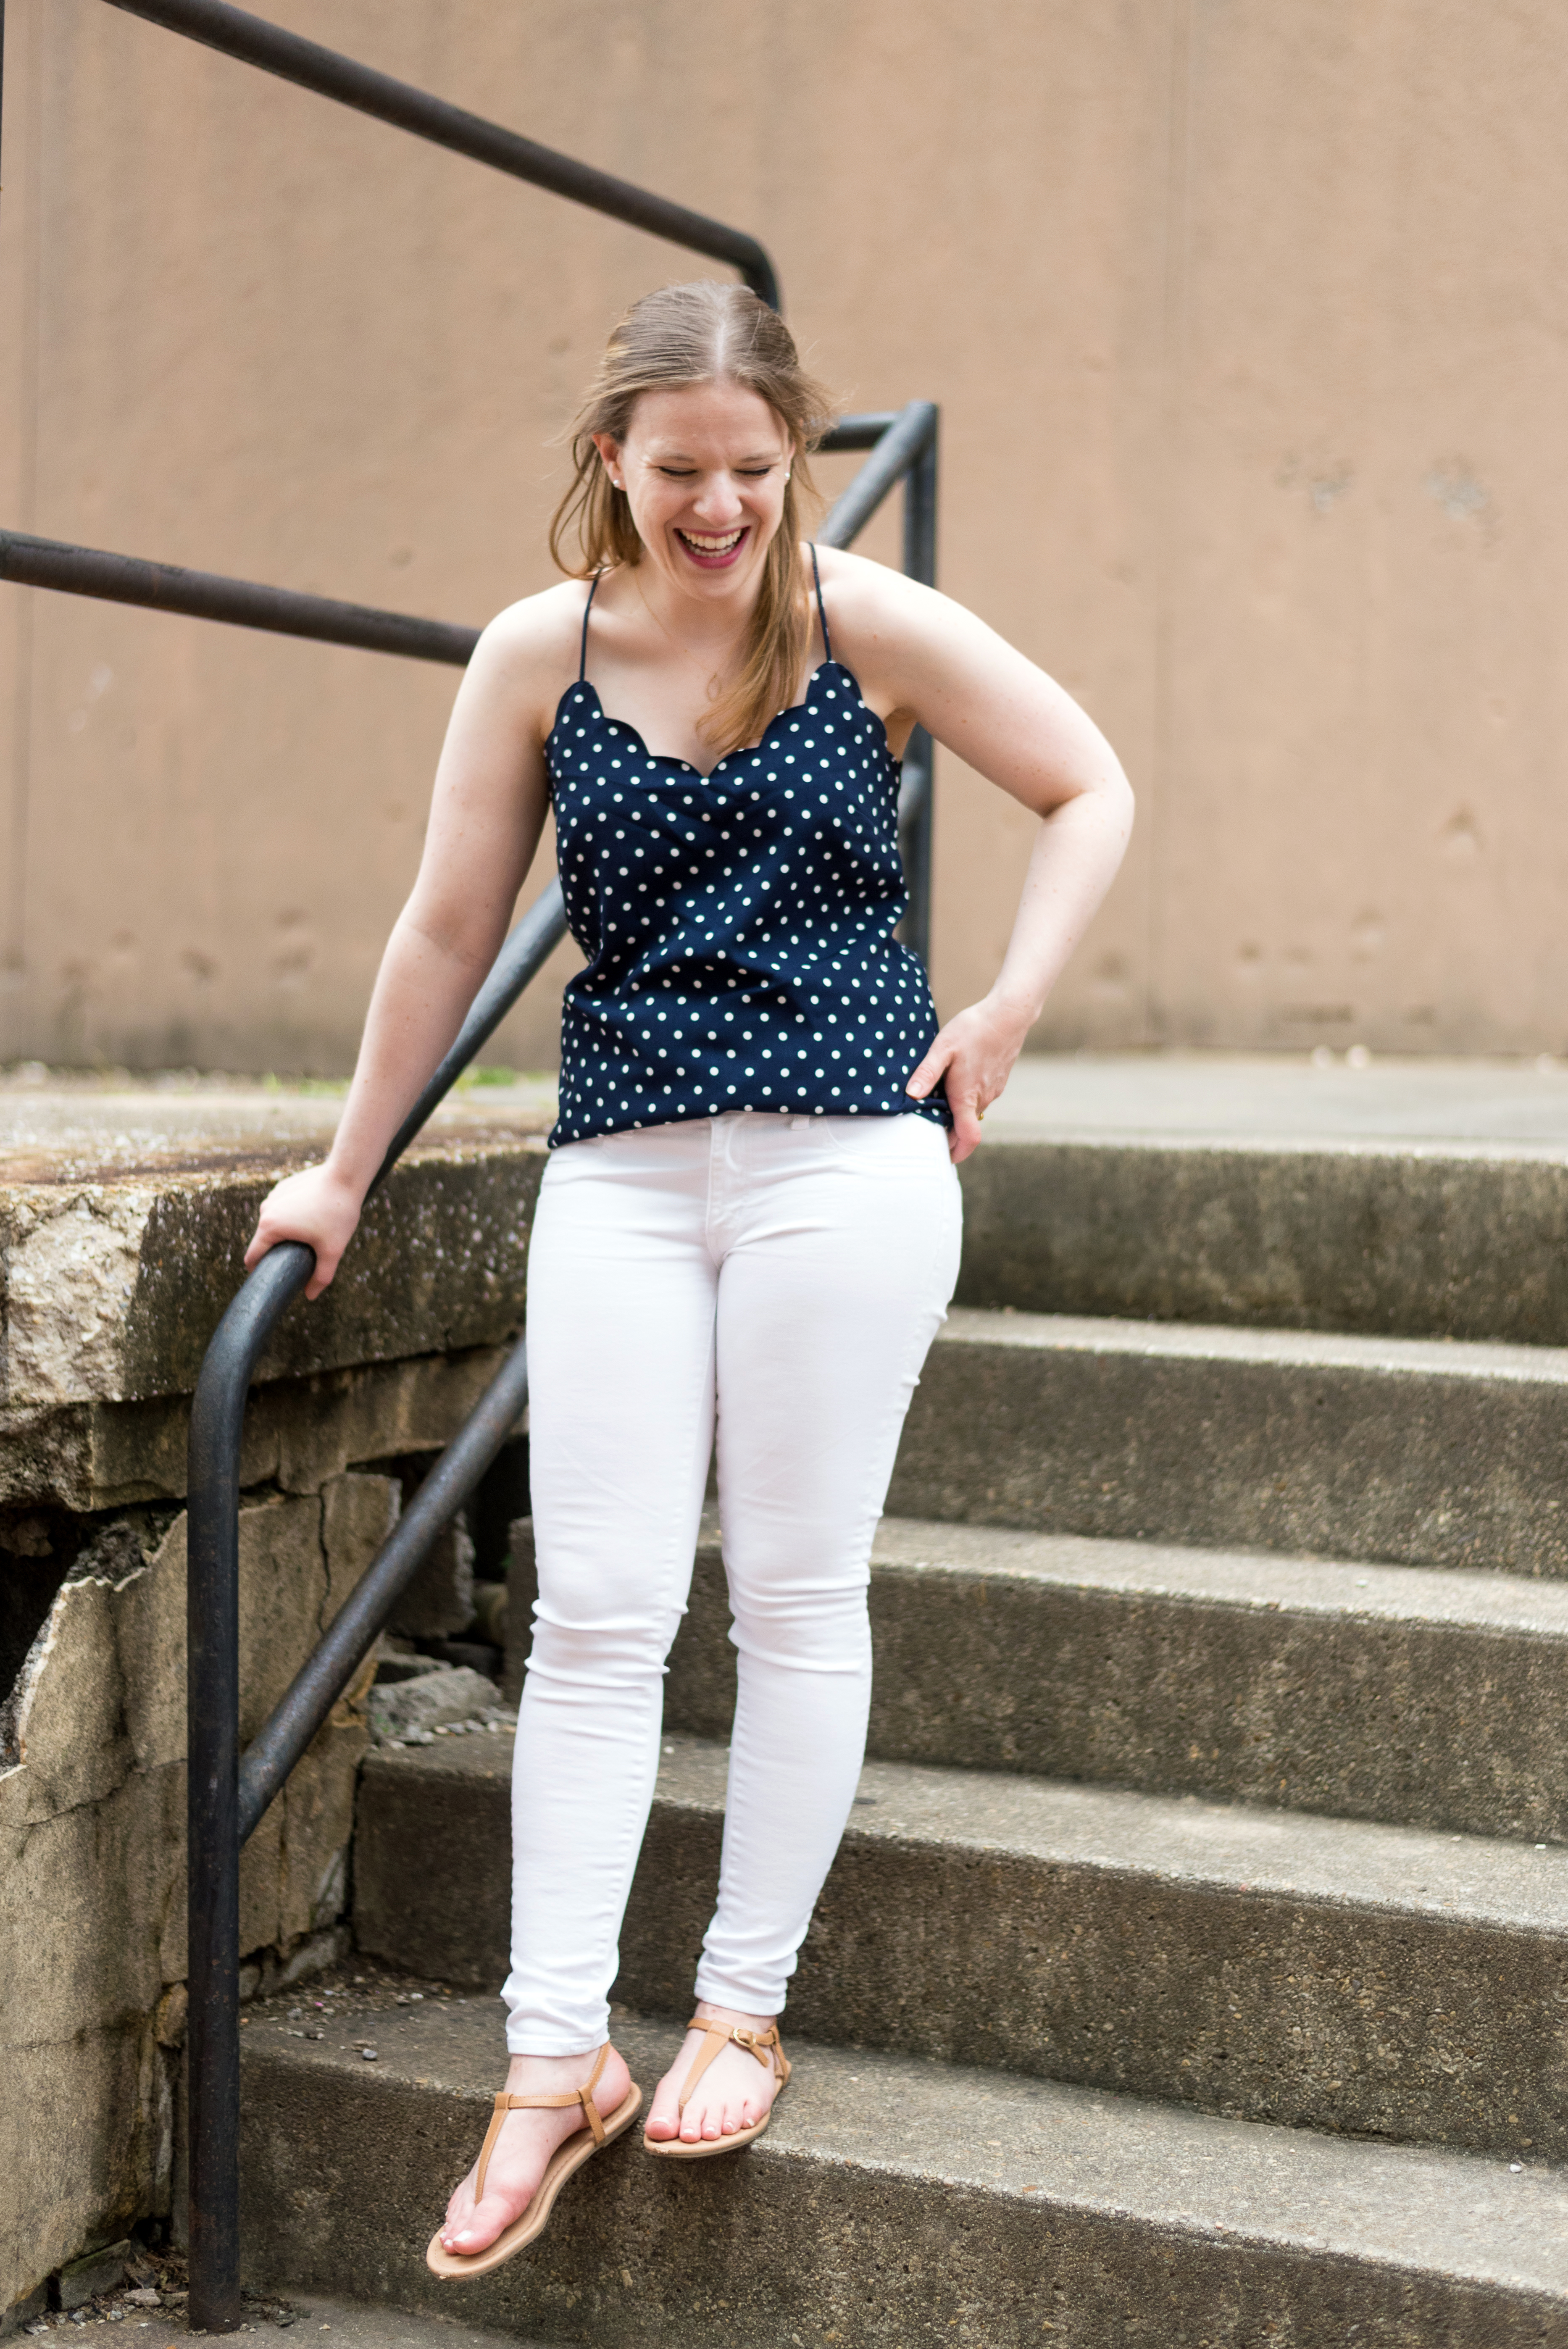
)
(110, 1287)
(104, 1455)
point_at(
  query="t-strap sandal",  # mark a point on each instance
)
(570, 2155)
(768, 2049)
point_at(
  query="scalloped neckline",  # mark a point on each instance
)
(667, 758)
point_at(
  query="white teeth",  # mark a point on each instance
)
(711, 545)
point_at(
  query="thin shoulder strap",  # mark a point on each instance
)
(821, 606)
(587, 607)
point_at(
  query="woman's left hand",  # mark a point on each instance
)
(974, 1053)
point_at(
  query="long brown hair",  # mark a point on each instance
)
(706, 332)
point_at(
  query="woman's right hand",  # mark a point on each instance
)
(315, 1205)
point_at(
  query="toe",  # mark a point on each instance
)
(459, 2211)
(665, 2119)
(483, 2223)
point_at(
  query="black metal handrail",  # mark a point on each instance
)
(229, 1792)
(244, 603)
(255, 42)
(905, 449)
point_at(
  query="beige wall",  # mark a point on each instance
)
(1249, 327)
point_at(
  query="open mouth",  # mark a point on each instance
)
(713, 550)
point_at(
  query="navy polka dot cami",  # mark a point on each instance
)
(738, 927)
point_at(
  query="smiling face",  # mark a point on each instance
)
(703, 469)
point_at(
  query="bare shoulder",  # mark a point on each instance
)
(884, 621)
(494, 759)
(538, 633)
(866, 592)
(524, 660)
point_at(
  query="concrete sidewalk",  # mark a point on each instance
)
(1284, 1098)
(67, 1125)
(1281, 1097)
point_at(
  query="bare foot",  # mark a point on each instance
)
(522, 2151)
(734, 2092)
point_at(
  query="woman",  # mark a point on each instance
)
(750, 1219)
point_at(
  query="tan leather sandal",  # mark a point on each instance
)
(768, 2049)
(570, 2155)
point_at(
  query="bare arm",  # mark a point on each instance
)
(486, 817)
(926, 660)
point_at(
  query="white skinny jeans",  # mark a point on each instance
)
(781, 1278)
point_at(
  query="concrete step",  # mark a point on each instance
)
(1407, 1450)
(1435, 1698)
(1396, 1237)
(1326, 1973)
(898, 2204)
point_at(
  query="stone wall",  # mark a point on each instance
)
(113, 1271)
